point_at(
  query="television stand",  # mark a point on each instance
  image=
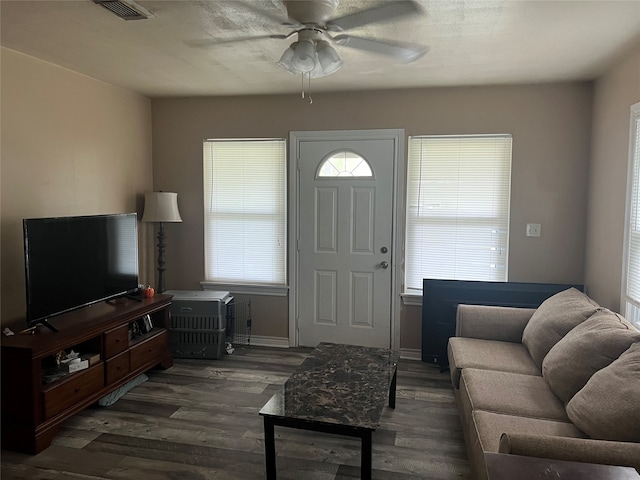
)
(39, 394)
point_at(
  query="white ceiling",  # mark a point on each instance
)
(472, 42)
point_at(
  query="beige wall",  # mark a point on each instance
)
(71, 145)
(411, 327)
(614, 93)
(550, 125)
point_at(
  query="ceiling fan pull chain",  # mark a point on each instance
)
(309, 87)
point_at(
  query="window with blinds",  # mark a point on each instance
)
(458, 193)
(631, 262)
(245, 211)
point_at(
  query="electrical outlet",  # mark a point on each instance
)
(533, 229)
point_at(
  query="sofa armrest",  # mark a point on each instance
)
(504, 324)
(626, 454)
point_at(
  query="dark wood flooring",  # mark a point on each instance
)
(199, 420)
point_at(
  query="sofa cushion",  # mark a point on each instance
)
(490, 426)
(607, 407)
(488, 355)
(590, 346)
(511, 394)
(553, 319)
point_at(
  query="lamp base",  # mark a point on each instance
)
(161, 262)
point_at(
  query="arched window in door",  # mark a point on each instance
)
(344, 164)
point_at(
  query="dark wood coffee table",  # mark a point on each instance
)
(501, 466)
(340, 389)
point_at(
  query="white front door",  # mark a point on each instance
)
(345, 237)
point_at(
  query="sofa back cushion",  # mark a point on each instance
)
(553, 319)
(589, 347)
(607, 407)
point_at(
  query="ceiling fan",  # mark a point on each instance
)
(314, 25)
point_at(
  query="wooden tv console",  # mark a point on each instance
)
(32, 409)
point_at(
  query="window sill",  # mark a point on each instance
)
(233, 288)
(412, 298)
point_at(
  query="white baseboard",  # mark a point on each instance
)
(262, 341)
(411, 353)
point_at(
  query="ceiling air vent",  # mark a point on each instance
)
(125, 10)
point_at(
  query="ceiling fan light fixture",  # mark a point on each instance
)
(304, 56)
(286, 59)
(329, 60)
(317, 71)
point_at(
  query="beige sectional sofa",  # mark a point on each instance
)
(561, 381)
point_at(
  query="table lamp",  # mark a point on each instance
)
(161, 207)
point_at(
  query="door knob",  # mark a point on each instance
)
(384, 264)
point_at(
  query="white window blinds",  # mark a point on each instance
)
(244, 211)
(631, 276)
(458, 193)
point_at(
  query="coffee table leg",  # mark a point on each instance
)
(365, 462)
(270, 448)
(392, 389)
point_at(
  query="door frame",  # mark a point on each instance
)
(397, 235)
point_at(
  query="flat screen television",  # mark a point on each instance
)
(72, 262)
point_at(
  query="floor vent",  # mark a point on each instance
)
(124, 10)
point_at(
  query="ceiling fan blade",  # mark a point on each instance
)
(402, 51)
(386, 11)
(210, 42)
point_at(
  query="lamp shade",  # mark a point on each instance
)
(161, 207)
